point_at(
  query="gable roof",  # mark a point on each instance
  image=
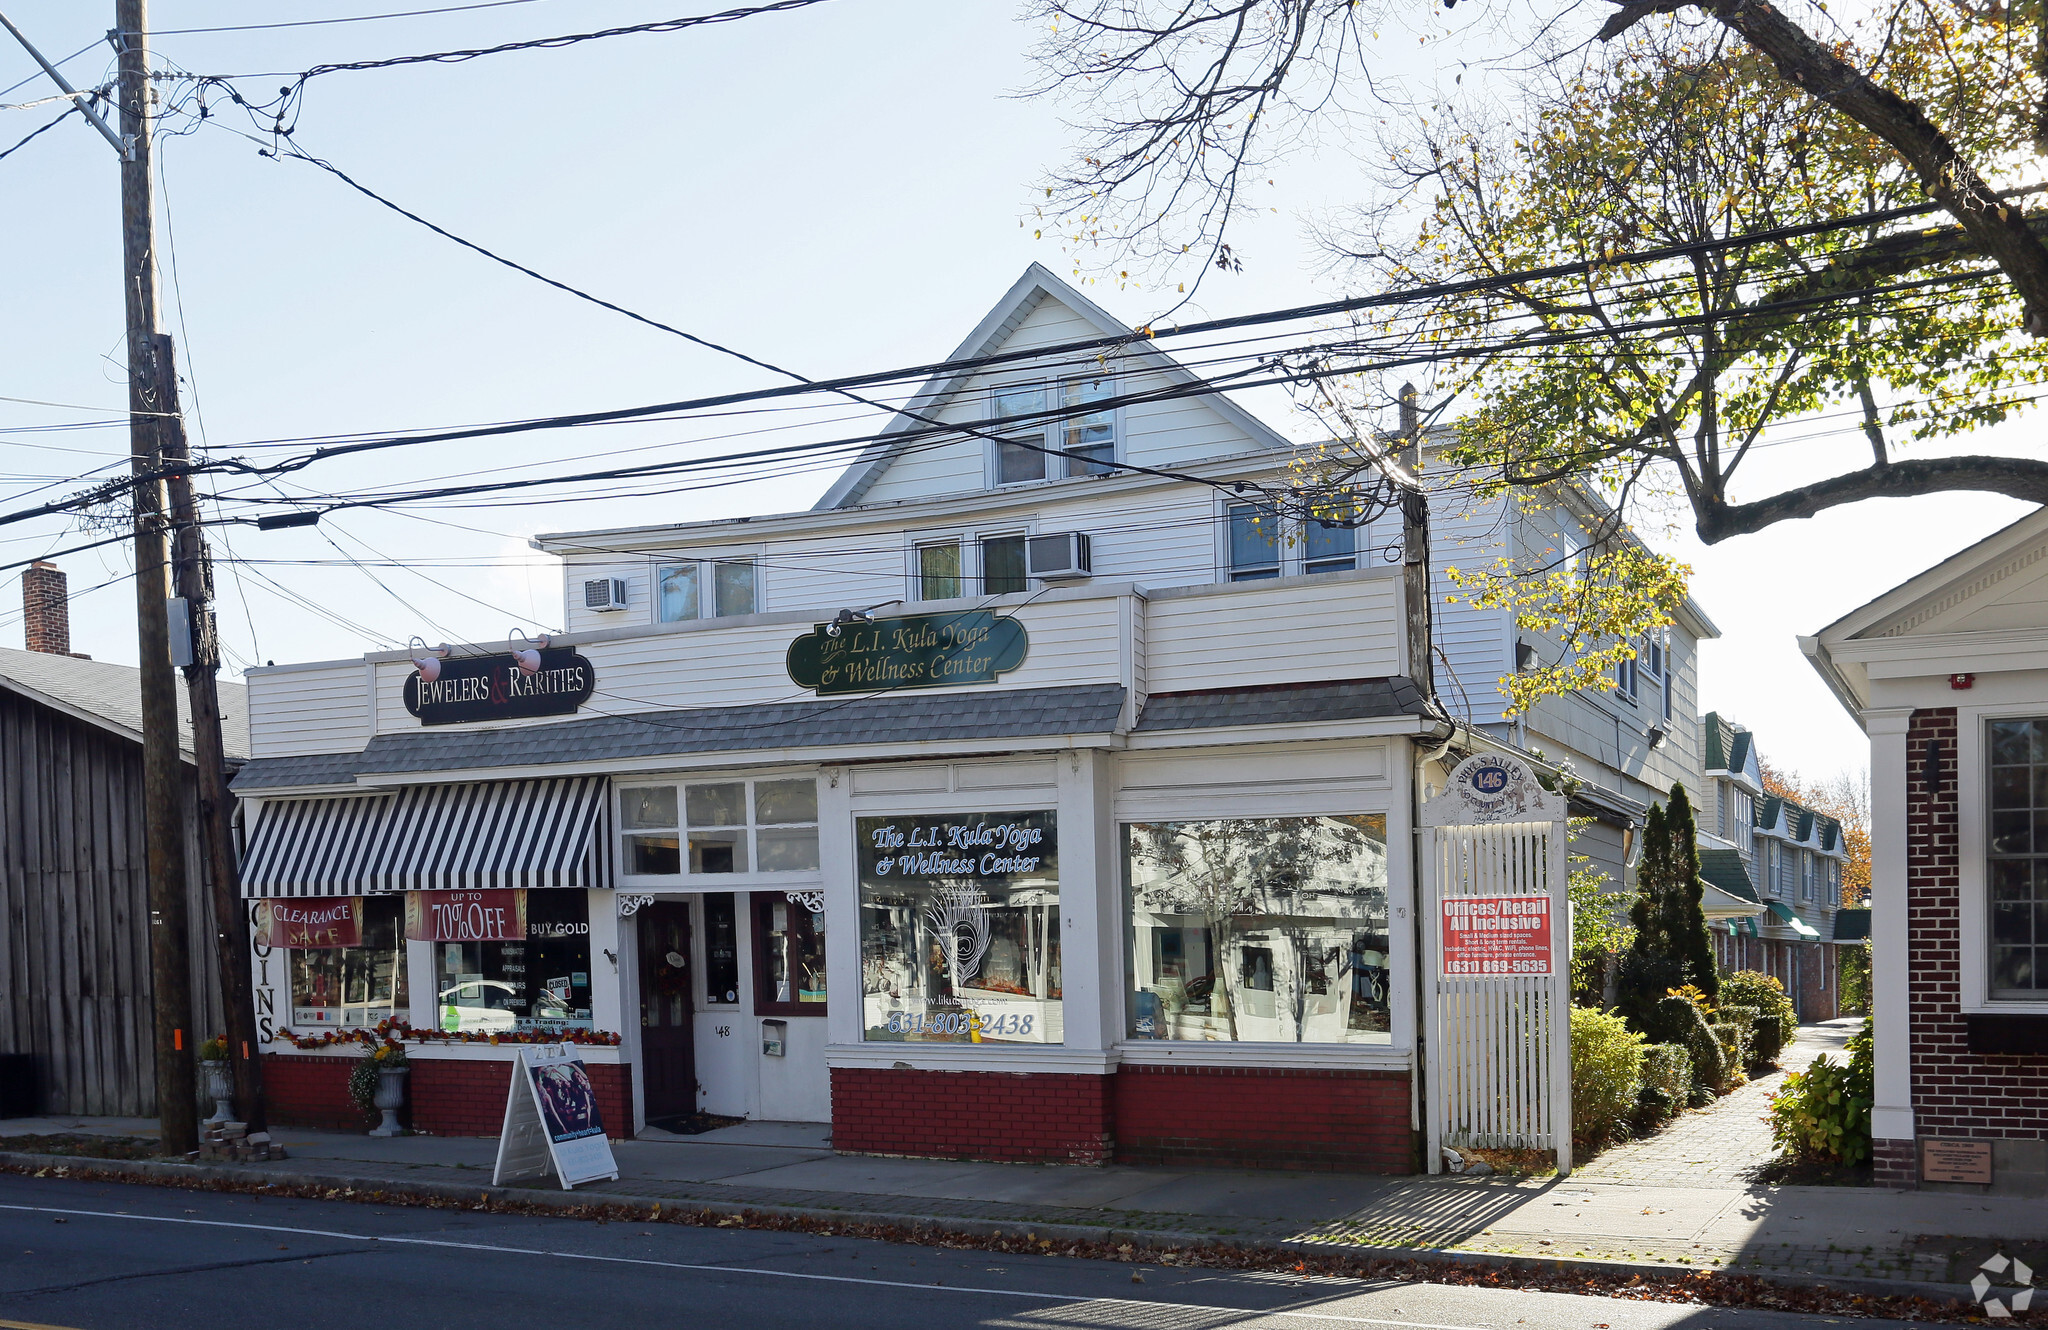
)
(1731, 749)
(109, 696)
(1036, 286)
(1724, 869)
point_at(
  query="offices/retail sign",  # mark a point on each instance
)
(310, 925)
(910, 651)
(1496, 936)
(552, 1123)
(473, 688)
(495, 915)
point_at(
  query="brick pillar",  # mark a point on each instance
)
(46, 609)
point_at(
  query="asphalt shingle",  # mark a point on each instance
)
(1280, 704)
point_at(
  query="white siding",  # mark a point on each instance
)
(1340, 626)
(308, 709)
(1477, 645)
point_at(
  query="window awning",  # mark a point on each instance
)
(1781, 913)
(523, 833)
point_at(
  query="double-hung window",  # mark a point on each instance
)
(1628, 677)
(1653, 660)
(1329, 540)
(1806, 875)
(715, 828)
(1061, 429)
(938, 570)
(2019, 858)
(1254, 537)
(705, 589)
(1002, 566)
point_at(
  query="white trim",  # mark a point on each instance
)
(1010, 1058)
(1973, 842)
(1307, 1057)
(1891, 1115)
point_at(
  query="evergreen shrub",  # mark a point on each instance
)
(1748, 988)
(1667, 1085)
(1607, 1066)
(1676, 1021)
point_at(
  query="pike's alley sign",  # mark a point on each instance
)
(473, 688)
(909, 651)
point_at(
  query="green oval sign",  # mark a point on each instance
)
(910, 651)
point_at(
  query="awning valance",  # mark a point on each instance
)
(1784, 915)
(523, 833)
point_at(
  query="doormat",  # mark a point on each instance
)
(693, 1124)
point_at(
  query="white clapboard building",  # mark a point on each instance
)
(1008, 803)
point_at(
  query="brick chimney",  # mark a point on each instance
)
(46, 606)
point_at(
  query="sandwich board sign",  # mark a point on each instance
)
(552, 1124)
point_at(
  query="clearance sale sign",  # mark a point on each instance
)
(1496, 935)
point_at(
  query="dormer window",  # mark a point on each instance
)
(1079, 441)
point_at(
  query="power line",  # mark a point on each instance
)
(325, 22)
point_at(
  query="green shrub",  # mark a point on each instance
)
(1607, 1067)
(1667, 1085)
(1856, 978)
(1745, 1020)
(1733, 1055)
(1676, 1021)
(1747, 988)
(1823, 1113)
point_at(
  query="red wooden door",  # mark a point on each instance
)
(668, 1053)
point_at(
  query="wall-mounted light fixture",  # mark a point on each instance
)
(427, 660)
(1525, 657)
(528, 656)
(1655, 735)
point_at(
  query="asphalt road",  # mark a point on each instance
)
(88, 1256)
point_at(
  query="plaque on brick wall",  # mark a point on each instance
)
(1956, 1161)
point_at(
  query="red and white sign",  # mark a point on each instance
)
(1496, 935)
(466, 916)
(310, 925)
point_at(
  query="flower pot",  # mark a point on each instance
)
(390, 1098)
(217, 1082)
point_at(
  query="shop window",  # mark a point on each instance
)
(355, 987)
(1259, 930)
(938, 570)
(1254, 544)
(1002, 566)
(960, 928)
(789, 956)
(685, 591)
(721, 949)
(2019, 858)
(720, 828)
(541, 984)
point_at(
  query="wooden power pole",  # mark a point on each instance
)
(162, 779)
(1415, 578)
(209, 752)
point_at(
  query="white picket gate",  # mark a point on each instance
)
(1498, 1037)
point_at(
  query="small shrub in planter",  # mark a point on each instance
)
(1777, 1019)
(1823, 1113)
(1607, 1065)
(1667, 1085)
(362, 1078)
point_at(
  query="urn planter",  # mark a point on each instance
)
(217, 1082)
(390, 1098)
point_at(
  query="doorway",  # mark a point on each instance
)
(668, 1052)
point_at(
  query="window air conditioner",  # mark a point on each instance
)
(1059, 557)
(604, 593)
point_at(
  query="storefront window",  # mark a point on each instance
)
(354, 987)
(540, 984)
(1266, 930)
(960, 928)
(717, 828)
(789, 956)
(2019, 858)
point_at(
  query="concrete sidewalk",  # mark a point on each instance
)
(1834, 1233)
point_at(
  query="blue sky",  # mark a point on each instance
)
(839, 189)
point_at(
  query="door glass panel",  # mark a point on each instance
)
(721, 949)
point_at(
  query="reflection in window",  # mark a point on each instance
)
(1269, 930)
(721, 949)
(938, 571)
(1329, 540)
(2019, 858)
(685, 591)
(1002, 565)
(355, 987)
(541, 984)
(789, 960)
(1254, 544)
(715, 835)
(734, 583)
(1088, 437)
(678, 599)
(1021, 461)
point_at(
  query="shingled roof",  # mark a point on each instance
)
(108, 695)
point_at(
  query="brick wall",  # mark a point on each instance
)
(443, 1097)
(1049, 1117)
(1955, 1092)
(1265, 1118)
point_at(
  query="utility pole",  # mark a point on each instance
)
(1416, 590)
(209, 751)
(162, 778)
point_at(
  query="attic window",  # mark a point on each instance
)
(1080, 440)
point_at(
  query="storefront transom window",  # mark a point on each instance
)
(1265, 930)
(960, 928)
(2019, 858)
(718, 828)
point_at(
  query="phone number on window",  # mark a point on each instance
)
(958, 1022)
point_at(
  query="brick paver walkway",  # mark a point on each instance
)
(1722, 1144)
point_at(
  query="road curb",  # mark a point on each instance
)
(1141, 1238)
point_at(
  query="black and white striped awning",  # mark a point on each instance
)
(515, 833)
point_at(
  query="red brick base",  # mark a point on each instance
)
(1226, 1116)
(1262, 1117)
(444, 1098)
(1893, 1165)
(1051, 1117)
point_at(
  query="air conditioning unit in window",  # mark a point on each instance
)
(1058, 558)
(604, 593)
